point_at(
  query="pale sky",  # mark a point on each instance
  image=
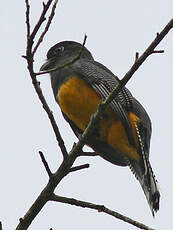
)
(116, 31)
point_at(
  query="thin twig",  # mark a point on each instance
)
(76, 168)
(30, 39)
(99, 208)
(27, 18)
(88, 154)
(46, 27)
(49, 113)
(136, 56)
(45, 164)
(43, 198)
(29, 58)
(158, 51)
(153, 52)
(139, 62)
(41, 19)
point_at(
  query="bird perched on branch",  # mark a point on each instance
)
(122, 135)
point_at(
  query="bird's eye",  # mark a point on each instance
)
(55, 51)
(59, 49)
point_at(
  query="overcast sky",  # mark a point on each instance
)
(116, 31)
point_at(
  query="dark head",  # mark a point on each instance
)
(64, 52)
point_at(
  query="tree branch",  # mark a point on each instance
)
(46, 27)
(158, 51)
(99, 208)
(27, 18)
(46, 193)
(76, 168)
(29, 58)
(49, 113)
(88, 154)
(45, 164)
(41, 19)
(139, 62)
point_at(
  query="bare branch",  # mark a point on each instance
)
(46, 27)
(29, 58)
(153, 52)
(139, 62)
(49, 112)
(99, 208)
(158, 51)
(88, 154)
(77, 168)
(27, 18)
(47, 192)
(45, 164)
(30, 39)
(0, 225)
(136, 56)
(41, 19)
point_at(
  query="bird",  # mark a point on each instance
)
(122, 135)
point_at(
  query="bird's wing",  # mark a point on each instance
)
(143, 126)
(103, 81)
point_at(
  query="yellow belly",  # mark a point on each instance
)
(79, 101)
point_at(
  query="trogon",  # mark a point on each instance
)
(122, 135)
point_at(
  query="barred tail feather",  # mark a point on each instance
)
(149, 186)
(144, 174)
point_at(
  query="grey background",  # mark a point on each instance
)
(116, 30)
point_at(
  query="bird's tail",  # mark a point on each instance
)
(148, 183)
(144, 173)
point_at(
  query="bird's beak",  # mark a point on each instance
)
(48, 65)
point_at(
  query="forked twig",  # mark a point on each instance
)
(46, 27)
